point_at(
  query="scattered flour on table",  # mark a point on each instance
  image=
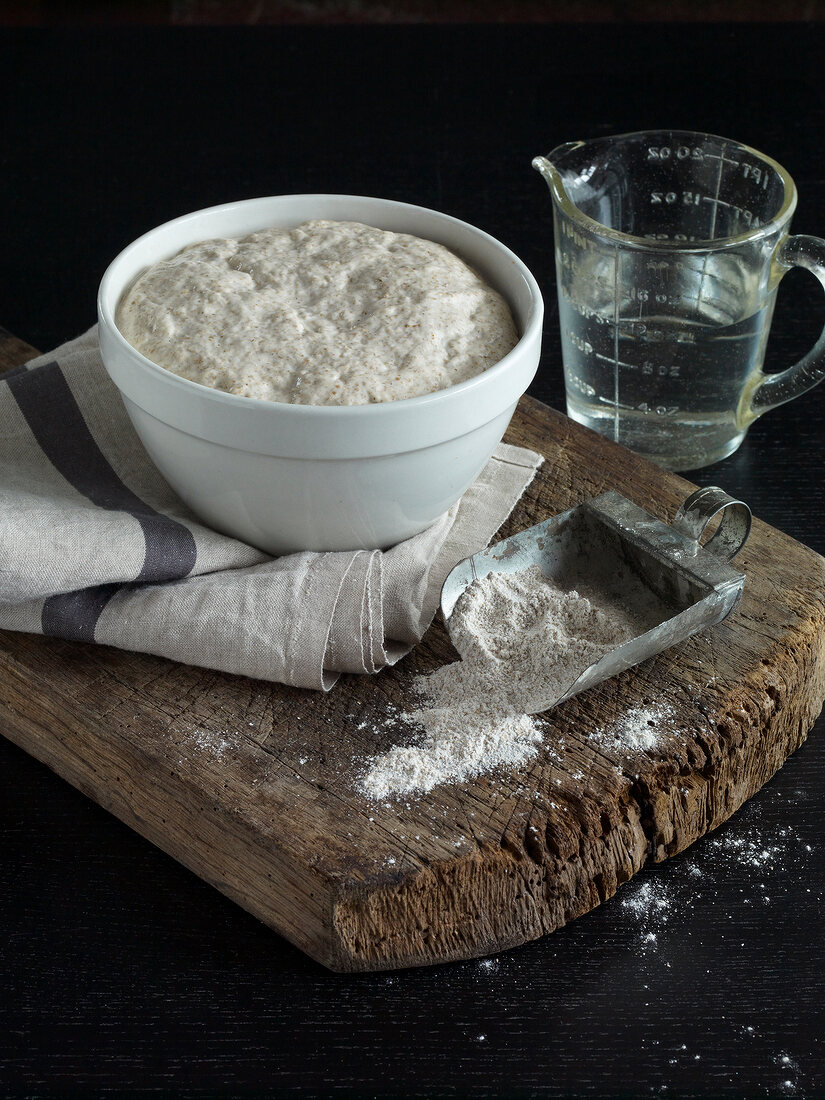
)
(522, 638)
(752, 848)
(682, 894)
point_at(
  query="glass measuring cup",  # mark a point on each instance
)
(670, 246)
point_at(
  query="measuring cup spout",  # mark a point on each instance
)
(550, 164)
(556, 169)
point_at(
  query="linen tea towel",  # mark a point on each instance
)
(95, 546)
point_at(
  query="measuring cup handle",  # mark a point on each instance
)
(775, 389)
(700, 508)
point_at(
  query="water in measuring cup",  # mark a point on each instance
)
(666, 383)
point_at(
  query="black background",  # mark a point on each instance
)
(123, 972)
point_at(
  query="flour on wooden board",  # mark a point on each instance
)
(521, 636)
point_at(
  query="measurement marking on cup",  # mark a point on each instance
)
(721, 158)
(715, 204)
(743, 210)
(613, 359)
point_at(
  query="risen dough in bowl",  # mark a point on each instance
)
(325, 313)
(320, 477)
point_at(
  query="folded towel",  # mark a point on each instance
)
(95, 546)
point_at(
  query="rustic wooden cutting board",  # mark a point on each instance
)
(251, 785)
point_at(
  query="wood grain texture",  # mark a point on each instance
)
(251, 785)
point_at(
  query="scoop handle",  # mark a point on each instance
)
(700, 508)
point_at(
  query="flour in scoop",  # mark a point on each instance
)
(530, 638)
(326, 313)
(521, 636)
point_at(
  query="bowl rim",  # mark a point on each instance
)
(106, 314)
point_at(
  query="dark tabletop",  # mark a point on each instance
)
(123, 972)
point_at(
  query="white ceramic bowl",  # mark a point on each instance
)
(303, 477)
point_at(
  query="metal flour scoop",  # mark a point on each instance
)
(608, 540)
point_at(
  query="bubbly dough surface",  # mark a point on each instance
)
(327, 313)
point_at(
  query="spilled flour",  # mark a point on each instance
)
(638, 729)
(522, 638)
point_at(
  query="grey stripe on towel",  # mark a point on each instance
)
(48, 405)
